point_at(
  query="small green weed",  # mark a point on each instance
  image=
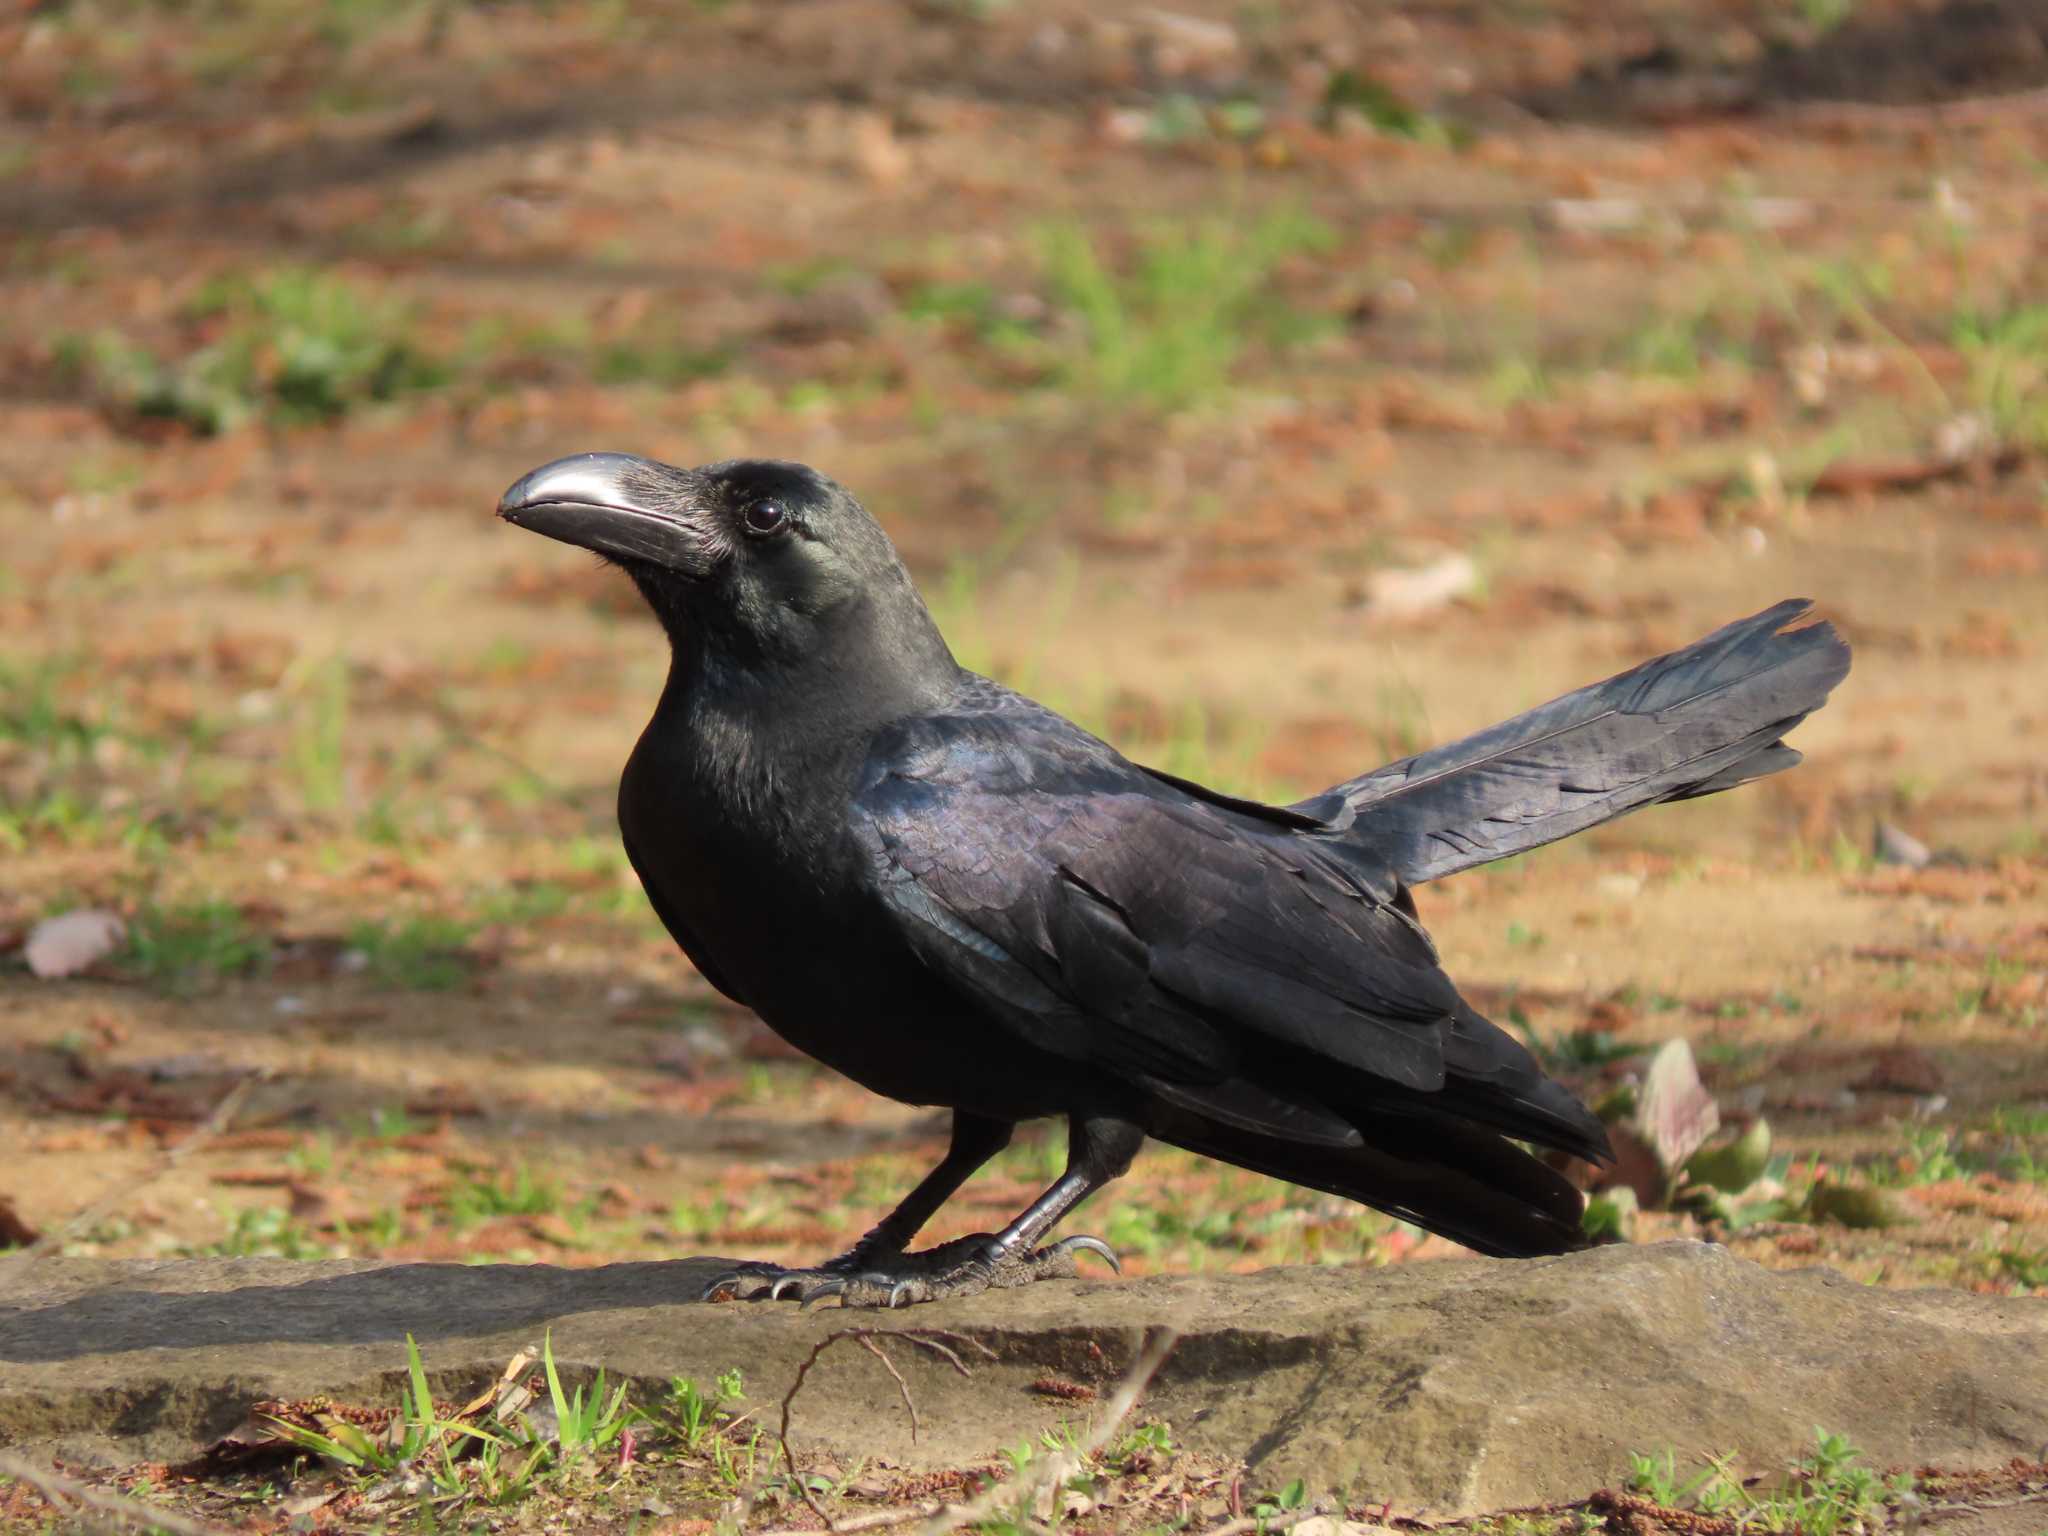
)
(2007, 353)
(1152, 1230)
(1170, 331)
(1147, 1441)
(1930, 1158)
(290, 346)
(585, 1425)
(479, 1198)
(1578, 1049)
(185, 949)
(319, 736)
(663, 363)
(265, 1231)
(419, 954)
(33, 715)
(571, 1437)
(2028, 1269)
(1658, 1478)
(1823, 16)
(689, 1415)
(1292, 1497)
(1360, 95)
(418, 1430)
(1827, 1491)
(2007, 1147)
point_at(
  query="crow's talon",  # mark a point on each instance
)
(966, 1266)
(1083, 1243)
(771, 1282)
(833, 1287)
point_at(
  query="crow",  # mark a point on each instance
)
(955, 896)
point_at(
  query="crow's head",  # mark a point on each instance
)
(756, 557)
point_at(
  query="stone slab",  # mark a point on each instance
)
(1454, 1386)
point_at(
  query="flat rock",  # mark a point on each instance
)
(1453, 1387)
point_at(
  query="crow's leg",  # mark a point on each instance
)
(976, 1139)
(1098, 1150)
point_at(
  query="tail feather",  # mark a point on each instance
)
(1695, 722)
(1473, 1186)
(1492, 1080)
(1445, 1159)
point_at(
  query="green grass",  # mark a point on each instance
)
(290, 346)
(1351, 92)
(189, 948)
(1830, 1490)
(2013, 1146)
(572, 1441)
(690, 1415)
(35, 717)
(417, 954)
(666, 363)
(1170, 330)
(2007, 353)
(319, 736)
(478, 1198)
(265, 1231)
(419, 1431)
(2026, 1268)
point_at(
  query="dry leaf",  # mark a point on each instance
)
(67, 944)
(1407, 594)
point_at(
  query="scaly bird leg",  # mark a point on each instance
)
(1098, 1150)
(976, 1139)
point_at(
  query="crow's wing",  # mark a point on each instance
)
(1114, 920)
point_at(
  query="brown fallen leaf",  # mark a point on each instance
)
(1859, 477)
(1903, 1069)
(444, 1099)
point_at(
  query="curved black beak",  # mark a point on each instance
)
(624, 507)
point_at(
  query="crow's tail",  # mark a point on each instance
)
(1441, 1173)
(1448, 1159)
(1699, 720)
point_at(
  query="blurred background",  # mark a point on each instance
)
(1277, 389)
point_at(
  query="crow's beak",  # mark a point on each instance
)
(625, 508)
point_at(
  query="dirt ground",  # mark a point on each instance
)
(1276, 389)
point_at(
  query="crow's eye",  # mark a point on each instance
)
(766, 517)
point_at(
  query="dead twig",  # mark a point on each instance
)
(875, 1520)
(938, 1341)
(1019, 1491)
(1964, 110)
(902, 1386)
(223, 1112)
(117, 1512)
(1253, 1523)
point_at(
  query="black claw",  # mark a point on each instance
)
(1083, 1243)
(829, 1288)
(962, 1267)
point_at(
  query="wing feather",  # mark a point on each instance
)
(1113, 920)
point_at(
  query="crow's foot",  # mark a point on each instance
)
(771, 1282)
(965, 1267)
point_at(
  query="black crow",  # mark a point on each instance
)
(957, 897)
